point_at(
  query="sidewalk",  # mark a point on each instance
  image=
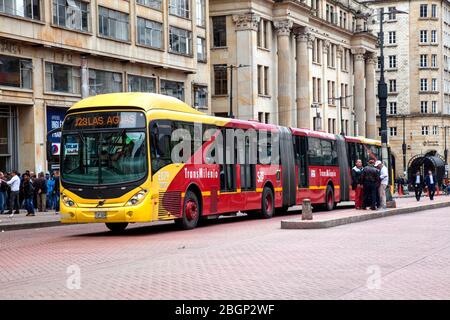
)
(21, 221)
(345, 216)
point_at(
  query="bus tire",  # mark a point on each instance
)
(116, 227)
(191, 212)
(329, 199)
(267, 203)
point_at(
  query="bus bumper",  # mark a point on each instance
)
(141, 213)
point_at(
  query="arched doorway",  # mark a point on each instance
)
(425, 162)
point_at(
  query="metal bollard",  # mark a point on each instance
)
(307, 210)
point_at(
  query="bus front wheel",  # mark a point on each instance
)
(116, 227)
(191, 212)
(267, 203)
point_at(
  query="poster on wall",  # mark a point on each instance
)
(55, 118)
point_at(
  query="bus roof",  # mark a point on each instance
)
(311, 133)
(145, 101)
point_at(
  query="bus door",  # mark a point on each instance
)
(301, 149)
(248, 175)
(228, 201)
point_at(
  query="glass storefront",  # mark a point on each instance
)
(8, 138)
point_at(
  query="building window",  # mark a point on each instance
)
(104, 82)
(393, 85)
(141, 84)
(72, 14)
(180, 8)
(392, 37)
(62, 78)
(423, 60)
(433, 106)
(392, 107)
(330, 15)
(423, 36)
(200, 9)
(262, 35)
(423, 84)
(22, 8)
(433, 11)
(155, 4)
(433, 36)
(15, 72)
(392, 15)
(220, 79)
(113, 24)
(435, 130)
(392, 62)
(423, 106)
(331, 56)
(173, 89)
(434, 84)
(201, 49)
(266, 81)
(149, 33)
(200, 97)
(219, 31)
(434, 61)
(392, 131)
(423, 10)
(425, 130)
(180, 41)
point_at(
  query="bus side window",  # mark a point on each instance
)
(160, 144)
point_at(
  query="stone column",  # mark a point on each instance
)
(283, 29)
(245, 83)
(325, 98)
(359, 91)
(340, 93)
(371, 114)
(304, 39)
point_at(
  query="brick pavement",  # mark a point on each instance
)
(235, 258)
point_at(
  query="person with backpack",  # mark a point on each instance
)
(50, 188)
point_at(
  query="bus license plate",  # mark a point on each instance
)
(100, 215)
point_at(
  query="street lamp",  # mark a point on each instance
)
(232, 67)
(382, 90)
(340, 110)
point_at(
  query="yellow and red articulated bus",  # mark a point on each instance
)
(140, 157)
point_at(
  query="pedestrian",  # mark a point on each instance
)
(56, 191)
(14, 184)
(430, 182)
(357, 184)
(28, 193)
(50, 188)
(3, 189)
(384, 179)
(40, 187)
(370, 179)
(417, 182)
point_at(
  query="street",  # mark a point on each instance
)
(400, 257)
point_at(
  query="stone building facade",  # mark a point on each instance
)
(55, 52)
(307, 63)
(417, 56)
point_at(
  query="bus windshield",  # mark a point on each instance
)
(103, 157)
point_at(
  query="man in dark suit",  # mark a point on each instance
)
(417, 182)
(430, 181)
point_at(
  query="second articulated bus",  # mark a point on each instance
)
(117, 164)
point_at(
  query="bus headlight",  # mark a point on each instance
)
(137, 198)
(67, 201)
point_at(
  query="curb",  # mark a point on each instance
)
(311, 224)
(33, 225)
